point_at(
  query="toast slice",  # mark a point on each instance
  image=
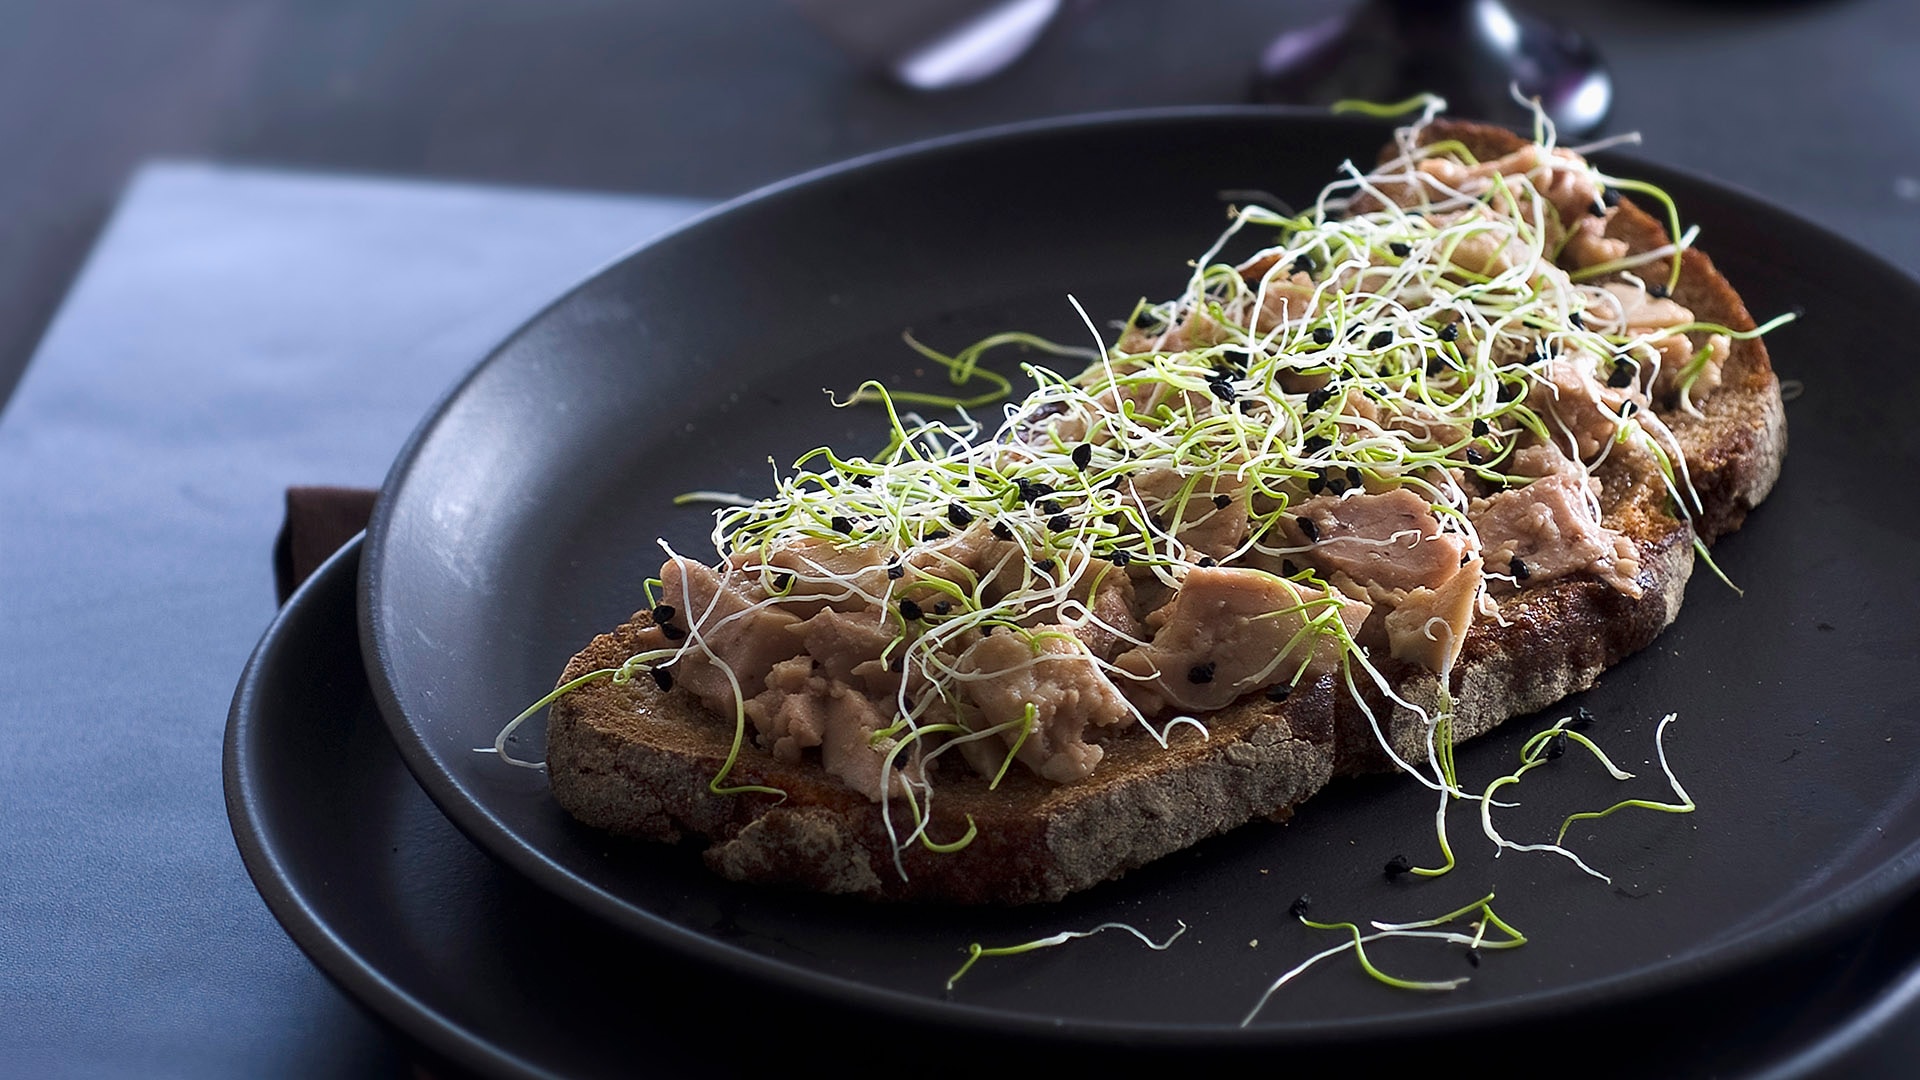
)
(636, 759)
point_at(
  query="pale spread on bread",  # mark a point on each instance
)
(1347, 446)
(1428, 437)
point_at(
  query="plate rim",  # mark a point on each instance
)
(337, 958)
(1895, 877)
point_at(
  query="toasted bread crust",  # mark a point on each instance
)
(636, 760)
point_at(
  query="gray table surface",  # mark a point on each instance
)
(235, 331)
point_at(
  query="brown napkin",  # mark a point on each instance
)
(319, 520)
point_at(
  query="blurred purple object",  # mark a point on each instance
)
(1470, 52)
(932, 44)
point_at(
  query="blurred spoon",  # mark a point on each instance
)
(931, 44)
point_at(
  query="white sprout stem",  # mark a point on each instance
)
(1660, 750)
(975, 952)
(1448, 936)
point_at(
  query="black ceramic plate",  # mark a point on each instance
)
(483, 971)
(521, 520)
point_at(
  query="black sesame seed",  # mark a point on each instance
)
(1000, 530)
(1316, 484)
(1318, 398)
(1044, 566)
(1223, 390)
(1304, 265)
(1380, 340)
(1221, 502)
(662, 678)
(1582, 719)
(910, 610)
(898, 665)
(1323, 336)
(1026, 488)
(895, 571)
(781, 580)
(1480, 429)
(1206, 560)
(1556, 746)
(1060, 522)
(1610, 196)
(1279, 692)
(1436, 366)
(1146, 319)
(840, 524)
(1400, 249)
(1335, 482)
(1628, 408)
(663, 614)
(1201, 673)
(672, 632)
(1119, 558)
(959, 515)
(1622, 375)
(1298, 909)
(1052, 506)
(937, 534)
(1083, 455)
(1658, 292)
(1518, 569)
(1396, 866)
(1309, 529)
(1353, 476)
(863, 481)
(1474, 457)
(1596, 209)
(1450, 331)
(943, 607)
(1473, 957)
(1317, 443)
(1579, 323)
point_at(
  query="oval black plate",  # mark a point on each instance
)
(521, 520)
(487, 972)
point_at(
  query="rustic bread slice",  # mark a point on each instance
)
(637, 760)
